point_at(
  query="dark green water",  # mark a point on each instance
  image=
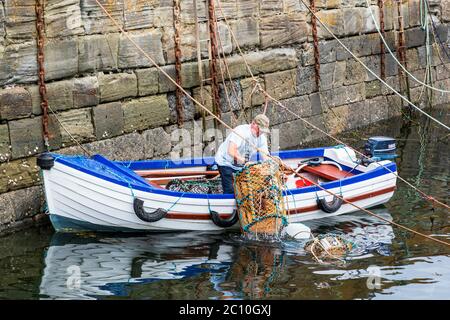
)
(387, 263)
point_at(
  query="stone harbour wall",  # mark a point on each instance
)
(113, 101)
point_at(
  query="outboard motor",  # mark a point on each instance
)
(380, 148)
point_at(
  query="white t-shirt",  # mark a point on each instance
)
(244, 147)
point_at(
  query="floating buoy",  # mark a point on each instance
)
(297, 231)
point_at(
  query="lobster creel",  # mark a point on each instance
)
(259, 198)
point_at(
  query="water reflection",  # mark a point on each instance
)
(228, 266)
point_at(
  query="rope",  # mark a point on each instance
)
(67, 131)
(239, 135)
(309, 123)
(424, 26)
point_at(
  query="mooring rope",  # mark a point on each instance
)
(278, 103)
(278, 160)
(395, 58)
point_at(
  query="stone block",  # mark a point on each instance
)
(61, 58)
(345, 95)
(251, 97)
(188, 107)
(358, 45)
(374, 64)
(60, 95)
(139, 14)
(98, 52)
(94, 19)
(334, 20)
(327, 50)
(5, 152)
(306, 80)
(33, 90)
(291, 6)
(378, 109)
(18, 174)
(86, 92)
(165, 84)
(445, 7)
(247, 8)
(117, 86)
(337, 119)
(131, 57)
(442, 72)
(272, 60)
(414, 37)
(281, 85)
(373, 89)
(189, 75)
(316, 104)
(246, 31)
(79, 123)
(26, 137)
(230, 96)
(299, 106)
(15, 103)
(123, 148)
(20, 204)
(283, 29)
(187, 11)
(145, 113)
(147, 81)
(62, 18)
(163, 16)
(369, 25)
(157, 143)
(2, 26)
(414, 13)
(392, 82)
(353, 20)
(18, 63)
(203, 95)
(332, 75)
(20, 19)
(108, 120)
(354, 72)
(270, 7)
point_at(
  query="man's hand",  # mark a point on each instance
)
(233, 151)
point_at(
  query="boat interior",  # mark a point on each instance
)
(307, 172)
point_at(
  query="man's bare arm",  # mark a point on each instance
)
(233, 151)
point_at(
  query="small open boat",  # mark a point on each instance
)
(96, 194)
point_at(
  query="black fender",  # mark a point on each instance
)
(330, 207)
(224, 223)
(45, 161)
(138, 206)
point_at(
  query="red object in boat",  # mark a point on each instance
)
(300, 183)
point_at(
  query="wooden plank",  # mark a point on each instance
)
(164, 173)
(328, 171)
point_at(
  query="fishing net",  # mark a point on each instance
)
(259, 198)
(204, 186)
(329, 246)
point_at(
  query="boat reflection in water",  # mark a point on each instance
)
(98, 266)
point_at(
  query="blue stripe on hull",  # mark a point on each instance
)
(108, 170)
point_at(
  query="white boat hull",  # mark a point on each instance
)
(81, 201)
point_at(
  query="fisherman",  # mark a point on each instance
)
(239, 147)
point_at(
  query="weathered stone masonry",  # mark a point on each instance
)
(114, 102)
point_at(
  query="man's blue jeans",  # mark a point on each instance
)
(226, 173)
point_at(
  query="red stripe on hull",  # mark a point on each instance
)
(202, 216)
